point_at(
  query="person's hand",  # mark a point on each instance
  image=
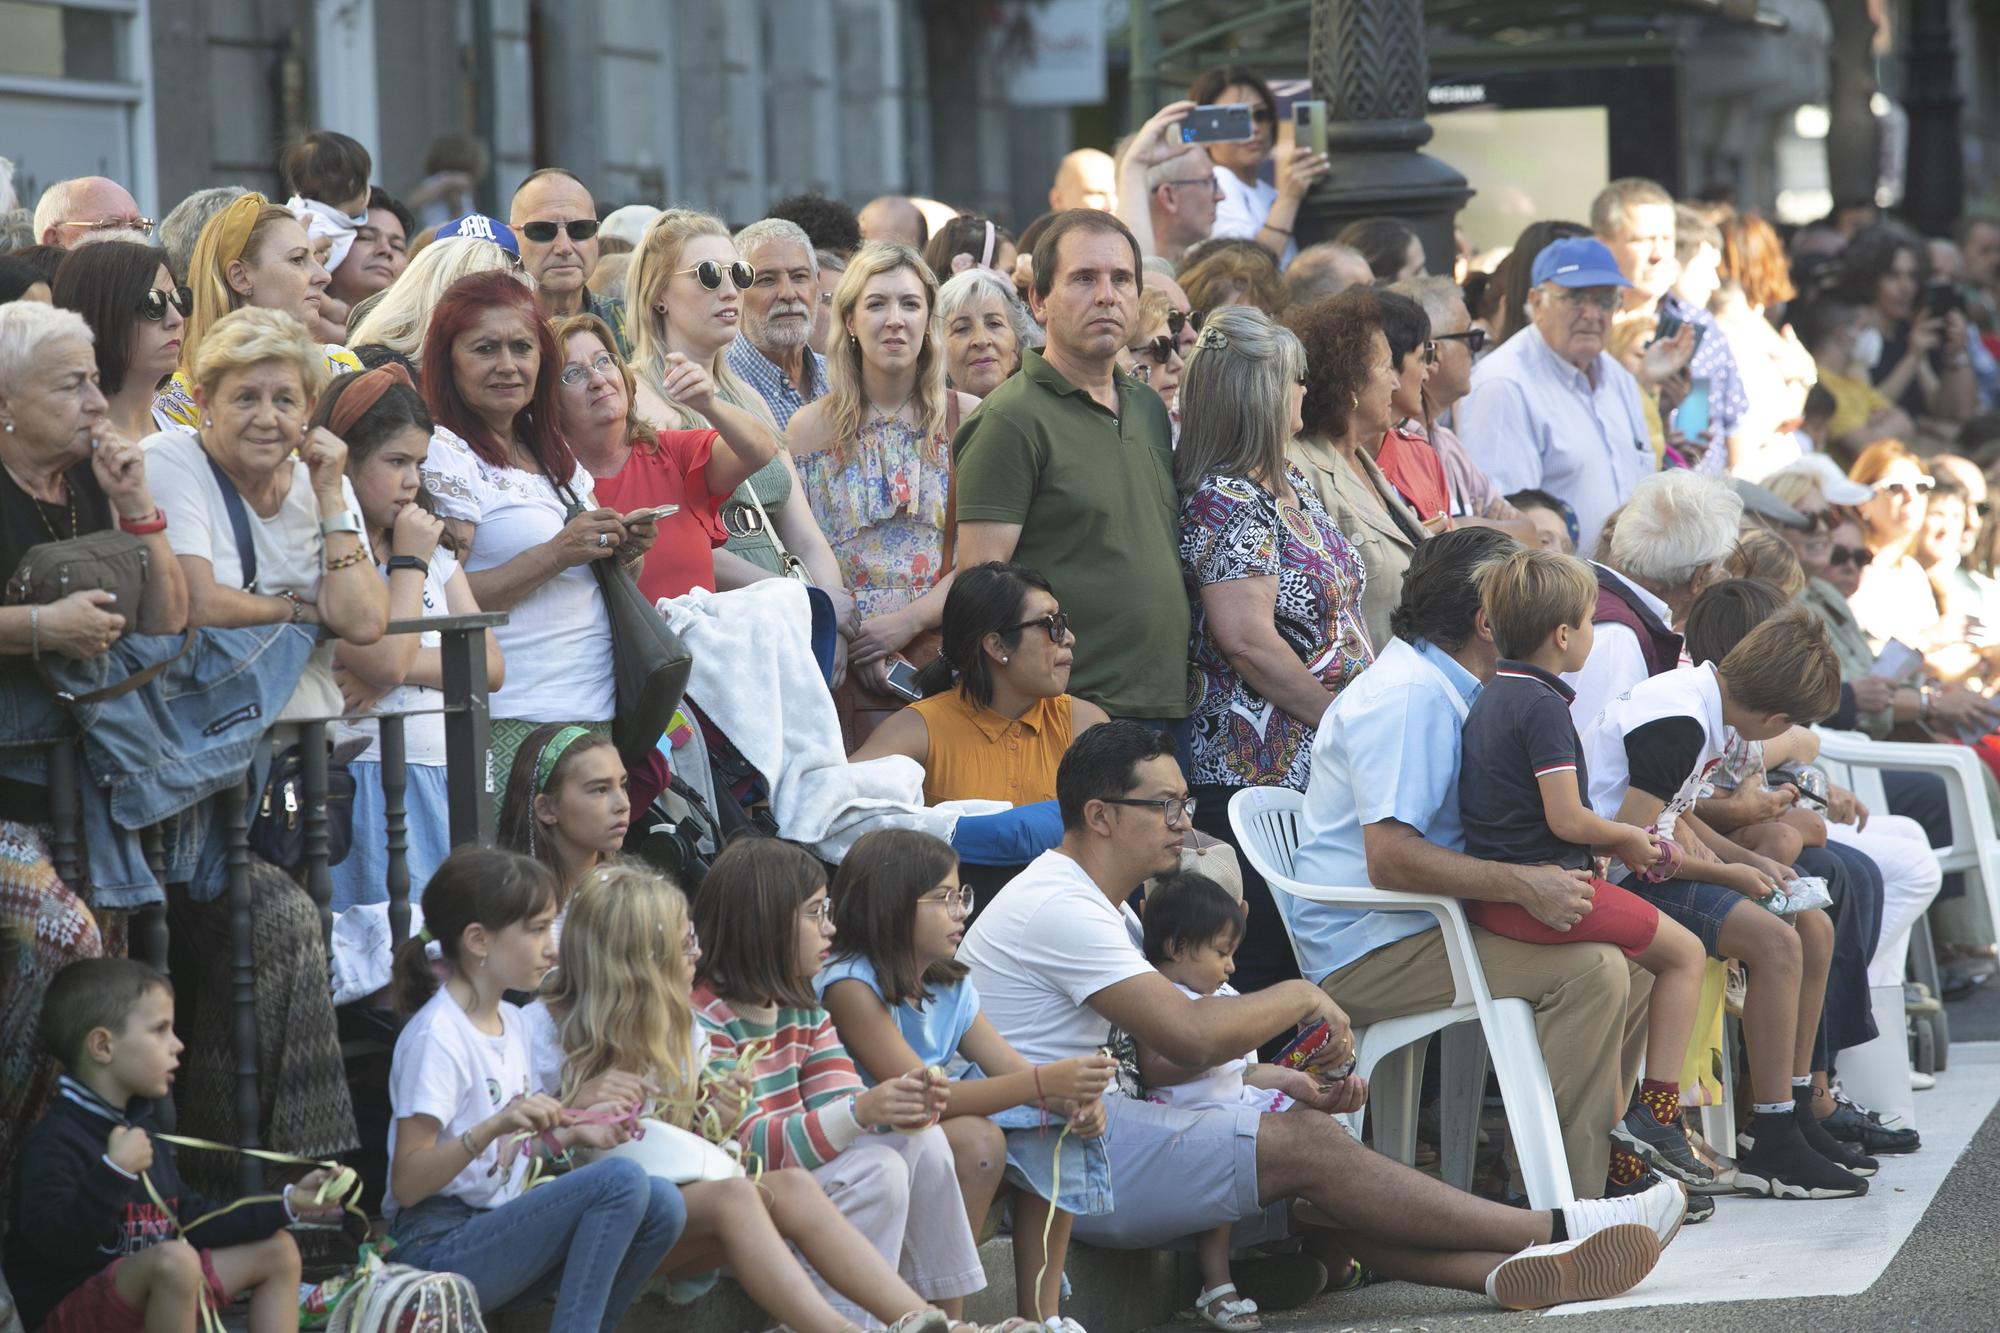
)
(1872, 694)
(731, 1095)
(1636, 848)
(535, 1113)
(617, 1085)
(130, 1149)
(897, 1103)
(1747, 880)
(873, 676)
(120, 468)
(1087, 1121)
(1556, 897)
(688, 382)
(1956, 707)
(416, 532)
(846, 615)
(1158, 140)
(300, 1196)
(1761, 805)
(1083, 1079)
(595, 534)
(1844, 807)
(81, 625)
(1335, 1096)
(1926, 334)
(1666, 358)
(878, 636)
(639, 539)
(599, 1134)
(325, 457)
(937, 1090)
(1954, 336)
(1297, 170)
(356, 695)
(839, 661)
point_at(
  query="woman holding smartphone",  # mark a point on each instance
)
(678, 477)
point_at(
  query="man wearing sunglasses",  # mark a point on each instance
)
(555, 219)
(69, 210)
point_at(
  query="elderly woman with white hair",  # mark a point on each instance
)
(1667, 543)
(985, 328)
(397, 320)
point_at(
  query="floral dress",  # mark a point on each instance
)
(880, 500)
(1233, 528)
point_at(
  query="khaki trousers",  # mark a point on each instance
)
(1590, 1013)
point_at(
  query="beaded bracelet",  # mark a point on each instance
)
(340, 562)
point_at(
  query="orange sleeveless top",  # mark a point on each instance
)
(976, 754)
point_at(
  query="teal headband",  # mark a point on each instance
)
(552, 753)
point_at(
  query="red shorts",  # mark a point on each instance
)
(1617, 916)
(96, 1306)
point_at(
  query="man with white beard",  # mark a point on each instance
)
(771, 353)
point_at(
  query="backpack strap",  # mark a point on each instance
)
(239, 523)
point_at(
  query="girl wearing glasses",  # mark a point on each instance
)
(900, 1000)
(616, 1024)
(765, 922)
(685, 288)
(127, 295)
(996, 717)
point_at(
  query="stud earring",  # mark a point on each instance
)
(208, 422)
(10, 428)
(1353, 400)
(1005, 660)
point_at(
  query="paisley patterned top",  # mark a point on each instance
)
(881, 501)
(1232, 528)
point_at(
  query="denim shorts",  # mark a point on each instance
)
(1698, 906)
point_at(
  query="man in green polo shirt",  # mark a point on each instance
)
(1067, 467)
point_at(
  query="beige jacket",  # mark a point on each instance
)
(1369, 513)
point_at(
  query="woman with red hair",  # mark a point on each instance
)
(521, 510)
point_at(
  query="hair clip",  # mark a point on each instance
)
(1211, 337)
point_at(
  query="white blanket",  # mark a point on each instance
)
(755, 678)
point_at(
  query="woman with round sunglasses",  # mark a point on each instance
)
(1154, 353)
(685, 294)
(126, 293)
(996, 716)
(874, 462)
(1894, 599)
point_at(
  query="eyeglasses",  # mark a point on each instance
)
(1858, 556)
(1209, 181)
(1474, 339)
(1184, 319)
(154, 304)
(601, 364)
(709, 274)
(1176, 811)
(956, 901)
(821, 911)
(144, 226)
(1430, 352)
(691, 946)
(1903, 490)
(1159, 348)
(541, 233)
(1056, 624)
(1597, 298)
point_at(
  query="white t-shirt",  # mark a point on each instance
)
(1243, 210)
(459, 1076)
(1046, 943)
(1689, 692)
(423, 735)
(557, 639)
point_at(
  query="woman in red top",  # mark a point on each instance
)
(691, 471)
(1406, 457)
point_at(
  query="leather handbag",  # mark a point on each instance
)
(113, 561)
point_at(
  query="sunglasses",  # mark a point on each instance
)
(1858, 556)
(541, 233)
(1184, 319)
(1903, 490)
(1822, 521)
(709, 274)
(1159, 348)
(1474, 340)
(1056, 625)
(576, 373)
(154, 304)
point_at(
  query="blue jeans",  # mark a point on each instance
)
(590, 1238)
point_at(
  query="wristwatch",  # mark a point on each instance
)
(346, 521)
(397, 562)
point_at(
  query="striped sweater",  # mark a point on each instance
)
(805, 1082)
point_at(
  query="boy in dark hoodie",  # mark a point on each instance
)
(88, 1249)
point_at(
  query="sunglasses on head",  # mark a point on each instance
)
(154, 304)
(1474, 339)
(709, 274)
(1858, 556)
(541, 233)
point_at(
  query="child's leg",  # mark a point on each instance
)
(979, 1156)
(1781, 842)
(728, 1223)
(940, 1252)
(271, 1266)
(1031, 1215)
(1770, 949)
(1677, 962)
(165, 1282)
(807, 1218)
(1211, 1251)
(1816, 953)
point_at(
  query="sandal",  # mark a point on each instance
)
(1231, 1316)
(928, 1319)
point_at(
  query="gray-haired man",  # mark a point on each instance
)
(773, 355)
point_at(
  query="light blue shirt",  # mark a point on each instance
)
(769, 380)
(1534, 420)
(1386, 749)
(933, 1031)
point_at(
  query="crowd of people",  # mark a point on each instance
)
(1091, 526)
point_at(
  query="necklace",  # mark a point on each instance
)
(896, 415)
(41, 511)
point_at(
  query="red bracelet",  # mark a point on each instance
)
(143, 527)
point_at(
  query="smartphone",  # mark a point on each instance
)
(903, 681)
(1309, 126)
(1669, 325)
(1691, 417)
(1940, 299)
(1227, 122)
(653, 515)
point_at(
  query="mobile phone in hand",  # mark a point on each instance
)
(653, 515)
(902, 680)
(1226, 122)
(1309, 126)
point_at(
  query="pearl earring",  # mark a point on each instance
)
(10, 428)
(1005, 660)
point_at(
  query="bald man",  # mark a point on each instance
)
(893, 217)
(548, 210)
(1086, 178)
(70, 208)
(1324, 270)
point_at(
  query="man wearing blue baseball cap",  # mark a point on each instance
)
(1550, 409)
(479, 227)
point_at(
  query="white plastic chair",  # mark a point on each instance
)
(1391, 1053)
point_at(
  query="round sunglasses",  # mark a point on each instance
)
(1183, 319)
(153, 305)
(1159, 348)
(541, 233)
(709, 274)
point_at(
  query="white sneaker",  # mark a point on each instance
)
(1062, 1323)
(1604, 1264)
(1663, 1208)
(1922, 1082)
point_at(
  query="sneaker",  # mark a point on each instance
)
(1773, 1164)
(1922, 1082)
(1700, 1206)
(1662, 1147)
(1601, 1265)
(1660, 1205)
(1827, 1146)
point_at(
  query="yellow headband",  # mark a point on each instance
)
(222, 241)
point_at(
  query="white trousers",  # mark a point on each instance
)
(1910, 880)
(901, 1192)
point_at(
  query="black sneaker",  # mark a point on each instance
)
(1662, 1147)
(1850, 1124)
(1775, 1163)
(1820, 1141)
(1699, 1206)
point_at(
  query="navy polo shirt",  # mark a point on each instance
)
(1519, 730)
